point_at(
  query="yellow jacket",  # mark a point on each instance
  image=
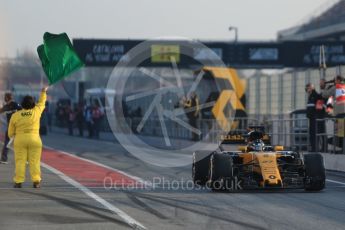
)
(27, 120)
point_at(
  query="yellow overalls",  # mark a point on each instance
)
(24, 127)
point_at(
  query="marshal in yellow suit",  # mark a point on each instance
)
(24, 128)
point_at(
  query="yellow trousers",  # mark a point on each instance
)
(27, 148)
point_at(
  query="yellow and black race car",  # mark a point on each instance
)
(258, 165)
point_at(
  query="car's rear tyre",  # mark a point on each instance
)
(315, 175)
(200, 167)
(220, 171)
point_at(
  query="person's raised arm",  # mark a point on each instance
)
(42, 100)
(328, 92)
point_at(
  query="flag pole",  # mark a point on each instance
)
(41, 80)
(322, 62)
(322, 71)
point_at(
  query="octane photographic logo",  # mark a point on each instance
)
(146, 111)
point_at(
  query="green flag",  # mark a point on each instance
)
(58, 57)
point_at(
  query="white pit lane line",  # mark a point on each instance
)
(129, 220)
(335, 182)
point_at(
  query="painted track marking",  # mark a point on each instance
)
(138, 179)
(128, 219)
(336, 182)
(86, 172)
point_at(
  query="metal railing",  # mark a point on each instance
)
(210, 130)
(295, 133)
(289, 132)
(329, 137)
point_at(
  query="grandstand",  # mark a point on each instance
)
(328, 25)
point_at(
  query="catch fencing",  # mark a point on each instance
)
(291, 133)
(294, 134)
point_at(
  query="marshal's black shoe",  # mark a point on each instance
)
(17, 185)
(36, 185)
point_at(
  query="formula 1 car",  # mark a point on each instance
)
(258, 165)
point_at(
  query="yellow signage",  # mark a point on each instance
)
(165, 53)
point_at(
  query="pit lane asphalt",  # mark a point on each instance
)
(59, 205)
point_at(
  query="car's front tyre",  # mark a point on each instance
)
(315, 175)
(220, 171)
(200, 167)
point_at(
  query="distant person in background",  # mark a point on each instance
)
(315, 110)
(24, 128)
(44, 123)
(70, 116)
(206, 113)
(79, 117)
(97, 115)
(88, 120)
(48, 111)
(336, 93)
(324, 85)
(331, 91)
(181, 103)
(9, 108)
(193, 113)
(60, 113)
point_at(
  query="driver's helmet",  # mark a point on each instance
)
(257, 145)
